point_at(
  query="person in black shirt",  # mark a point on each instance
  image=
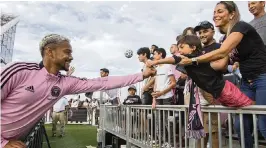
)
(207, 76)
(206, 32)
(251, 52)
(132, 98)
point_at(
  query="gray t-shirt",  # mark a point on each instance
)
(260, 25)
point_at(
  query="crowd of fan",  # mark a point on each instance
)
(170, 85)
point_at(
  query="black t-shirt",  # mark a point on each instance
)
(130, 100)
(206, 77)
(210, 48)
(251, 51)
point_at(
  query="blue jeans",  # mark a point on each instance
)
(256, 91)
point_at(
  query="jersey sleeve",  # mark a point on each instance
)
(241, 27)
(10, 78)
(76, 85)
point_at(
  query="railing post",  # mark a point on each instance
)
(103, 133)
(128, 119)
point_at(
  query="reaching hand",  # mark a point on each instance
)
(149, 72)
(15, 144)
(70, 71)
(151, 63)
(185, 60)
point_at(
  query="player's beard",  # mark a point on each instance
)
(64, 65)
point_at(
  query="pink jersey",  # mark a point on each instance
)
(176, 73)
(28, 91)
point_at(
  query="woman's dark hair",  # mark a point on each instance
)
(144, 50)
(161, 51)
(188, 29)
(231, 7)
(191, 40)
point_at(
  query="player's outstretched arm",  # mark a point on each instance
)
(73, 85)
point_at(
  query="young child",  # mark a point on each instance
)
(132, 98)
(207, 76)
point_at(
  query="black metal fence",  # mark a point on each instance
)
(35, 137)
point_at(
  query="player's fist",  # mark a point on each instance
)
(151, 63)
(149, 72)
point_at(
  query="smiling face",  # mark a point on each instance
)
(60, 55)
(256, 7)
(226, 15)
(206, 35)
(221, 15)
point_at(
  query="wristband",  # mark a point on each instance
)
(177, 59)
(194, 61)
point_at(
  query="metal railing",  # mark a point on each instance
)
(166, 126)
(35, 137)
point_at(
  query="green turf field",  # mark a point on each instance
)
(77, 136)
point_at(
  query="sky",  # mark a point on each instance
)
(100, 32)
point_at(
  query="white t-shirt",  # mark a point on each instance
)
(162, 80)
(60, 105)
(112, 93)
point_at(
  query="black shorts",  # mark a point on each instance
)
(147, 98)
